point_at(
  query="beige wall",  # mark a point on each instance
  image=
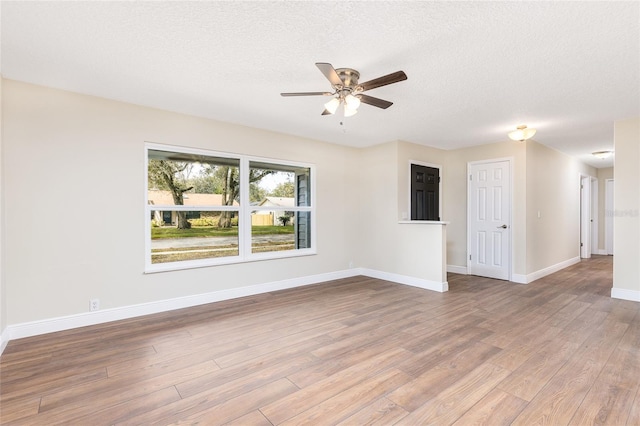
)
(377, 168)
(412, 152)
(74, 181)
(603, 175)
(80, 159)
(553, 189)
(544, 180)
(410, 250)
(455, 198)
(626, 201)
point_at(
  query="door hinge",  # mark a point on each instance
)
(438, 179)
(581, 244)
(470, 177)
(469, 257)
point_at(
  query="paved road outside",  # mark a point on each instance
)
(167, 243)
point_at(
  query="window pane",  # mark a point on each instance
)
(272, 231)
(194, 208)
(192, 180)
(278, 185)
(192, 235)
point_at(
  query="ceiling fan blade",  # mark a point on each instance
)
(307, 94)
(377, 102)
(325, 112)
(330, 72)
(384, 80)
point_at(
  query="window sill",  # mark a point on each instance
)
(195, 264)
(422, 222)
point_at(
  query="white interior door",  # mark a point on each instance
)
(585, 217)
(489, 219)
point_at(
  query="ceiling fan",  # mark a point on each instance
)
(347, 90)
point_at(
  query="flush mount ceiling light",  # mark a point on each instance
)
(602, 154)
(522, 134)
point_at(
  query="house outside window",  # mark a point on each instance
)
(206, 208)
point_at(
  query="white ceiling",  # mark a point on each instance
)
(475, 70)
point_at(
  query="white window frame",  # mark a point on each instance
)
(243, 210)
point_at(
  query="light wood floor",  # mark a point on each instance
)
(355, 351)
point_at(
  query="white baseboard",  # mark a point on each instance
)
(621, 293)
(455, 269)
(526, 279)
(404, 279)
(51, 325)
(84, 319)
(4, 339)
(602, 252)
(519, 279)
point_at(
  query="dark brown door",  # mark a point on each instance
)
(425, 193)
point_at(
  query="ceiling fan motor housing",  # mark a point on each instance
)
(349, 77)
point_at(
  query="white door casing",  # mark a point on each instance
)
(594, 216)
(489, 219)
(585, 217)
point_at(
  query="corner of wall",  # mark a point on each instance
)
(626, 210)
(3, 299)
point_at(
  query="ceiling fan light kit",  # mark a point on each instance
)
(332, 105)
(522, 133)
(352, 101)
(348, 92)
(348, 112)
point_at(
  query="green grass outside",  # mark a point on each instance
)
(214, 231)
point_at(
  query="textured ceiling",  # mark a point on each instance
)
(476, 69)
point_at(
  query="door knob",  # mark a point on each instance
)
(503, 226)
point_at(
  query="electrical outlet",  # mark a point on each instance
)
(351, 265)
(94, 304)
